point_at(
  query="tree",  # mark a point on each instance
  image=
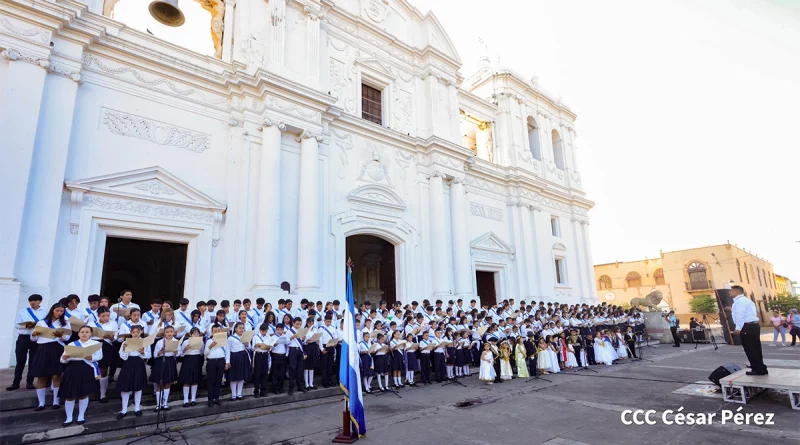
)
(703, 304)
(784, 302)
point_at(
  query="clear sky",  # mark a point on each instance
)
(688, 111)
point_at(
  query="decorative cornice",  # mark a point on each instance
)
(17, 56)
(125, 124)
(306, 134)
(270, 123)
(74, 76)
(42, 34)
(314, 14)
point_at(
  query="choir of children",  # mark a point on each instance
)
(266, 345)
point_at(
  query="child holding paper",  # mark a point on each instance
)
(109, 326)
(240, 362)
(45, 363)
(217, 362)
(133, 375)
(80, 376)
(165, 369)
(191, 367)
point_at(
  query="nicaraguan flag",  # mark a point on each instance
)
(349, 365)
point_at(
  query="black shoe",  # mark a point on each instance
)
(192, 403)
(402, 386)
(30, 386)
(313, 387)
(158, 408)
(210, 403)
(38, 408)
(676, 346)
(121, 416)
(256, 395)
(216, 402)
(757, 373)
(56, 406)
(137, 413)
(80, 422)
(13, 387)
(185, 405)
(66, 424)
(303, 390)
(240, 398)
(104, 400)
(111, 379)
(291, 391)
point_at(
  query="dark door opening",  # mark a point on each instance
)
(374, 271)
(486, 287)
(150, 269)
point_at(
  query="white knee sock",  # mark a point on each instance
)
(166, 397)
(364, 382)
(69, 407)
(126, 397)
(411, 376)
(137, 401)
(55, 396)
(103, 387)
(387, 379)
(185, 394)
(369, 381)
(380, 382)
(194, 393)
(40, 393)
(82, 405)
(158, 396)
(466, 370)
(239, 385)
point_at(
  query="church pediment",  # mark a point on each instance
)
(376, 68)
(150, 184)
(491, 242)
(377, 199)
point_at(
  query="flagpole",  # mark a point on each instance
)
(347, 435)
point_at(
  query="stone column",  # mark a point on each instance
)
(536, 254)
(439, 266)
(46, 187)
(278, 31)
(268, 219)
(531, 260)
(521, 252)
(587, 249)
(227, 33)
(308, 221)
(458, 216)
(22, 89)
(577, 240)
(313, 47)
(20, 102)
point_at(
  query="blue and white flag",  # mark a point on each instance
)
(349, 365)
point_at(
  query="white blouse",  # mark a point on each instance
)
(125, 355)
(96, 357)
(55, 325)
(235, 344)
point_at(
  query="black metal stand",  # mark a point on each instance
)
(646, 338)
(388, 391)
(707, 324)
(159, 430)
(640, 354)
(454, 381)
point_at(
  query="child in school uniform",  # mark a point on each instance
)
(80, 376)
(110, 352)
(46, 362)
(240, 362)
(312, 350)
(463, 357)
(218, 360)
(412, 363)
(450, 350)
(382, 365)
(133, 375)
(191, 368)
(278, 355)
(397, 362)
(165, 369)
(367, 366)
(327, 353)
(261, 361)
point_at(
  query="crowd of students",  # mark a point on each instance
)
(267, 346)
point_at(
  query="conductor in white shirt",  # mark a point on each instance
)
(745, 318)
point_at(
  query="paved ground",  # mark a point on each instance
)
(576, 408)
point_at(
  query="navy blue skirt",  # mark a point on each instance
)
(240, 367)
(47, 360)
(451, 357)
(398, 362)
(191, 370)
(110, 355)
(382, 364)
(78, 381)
(133, 375)
(167, 365)
(411, 361)
(366, 365)
(312, 360)
(461, 357)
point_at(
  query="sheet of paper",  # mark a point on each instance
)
(27, 324)
(195, 344)
(412, 347)
(482, 330)
(124, 312)
(247, 337)
(134, 344)
(45, 332)
(171, 345)
(332, 343)
(75, 351)
(221, 338)
(149, 340)
(301, 333)
(99, 332)
(315, 338)
(75, 323)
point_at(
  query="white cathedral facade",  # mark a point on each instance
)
(319, 130)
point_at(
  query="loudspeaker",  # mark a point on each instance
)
(686, 336)
(724, 300)
(722, 372)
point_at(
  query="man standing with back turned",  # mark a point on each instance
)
(746, 321)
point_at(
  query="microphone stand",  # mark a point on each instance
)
(159, 431)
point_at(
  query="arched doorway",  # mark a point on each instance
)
(374, 271)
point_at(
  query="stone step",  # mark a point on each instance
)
(30, 427)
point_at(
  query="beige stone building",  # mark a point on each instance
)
(685, 274)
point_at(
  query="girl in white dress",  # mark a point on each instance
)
(542, 358)
(603, 351)
(622, 352)
(571, 361)
(551, 353)
(487, 360)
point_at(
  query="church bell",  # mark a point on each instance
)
(167, 12)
